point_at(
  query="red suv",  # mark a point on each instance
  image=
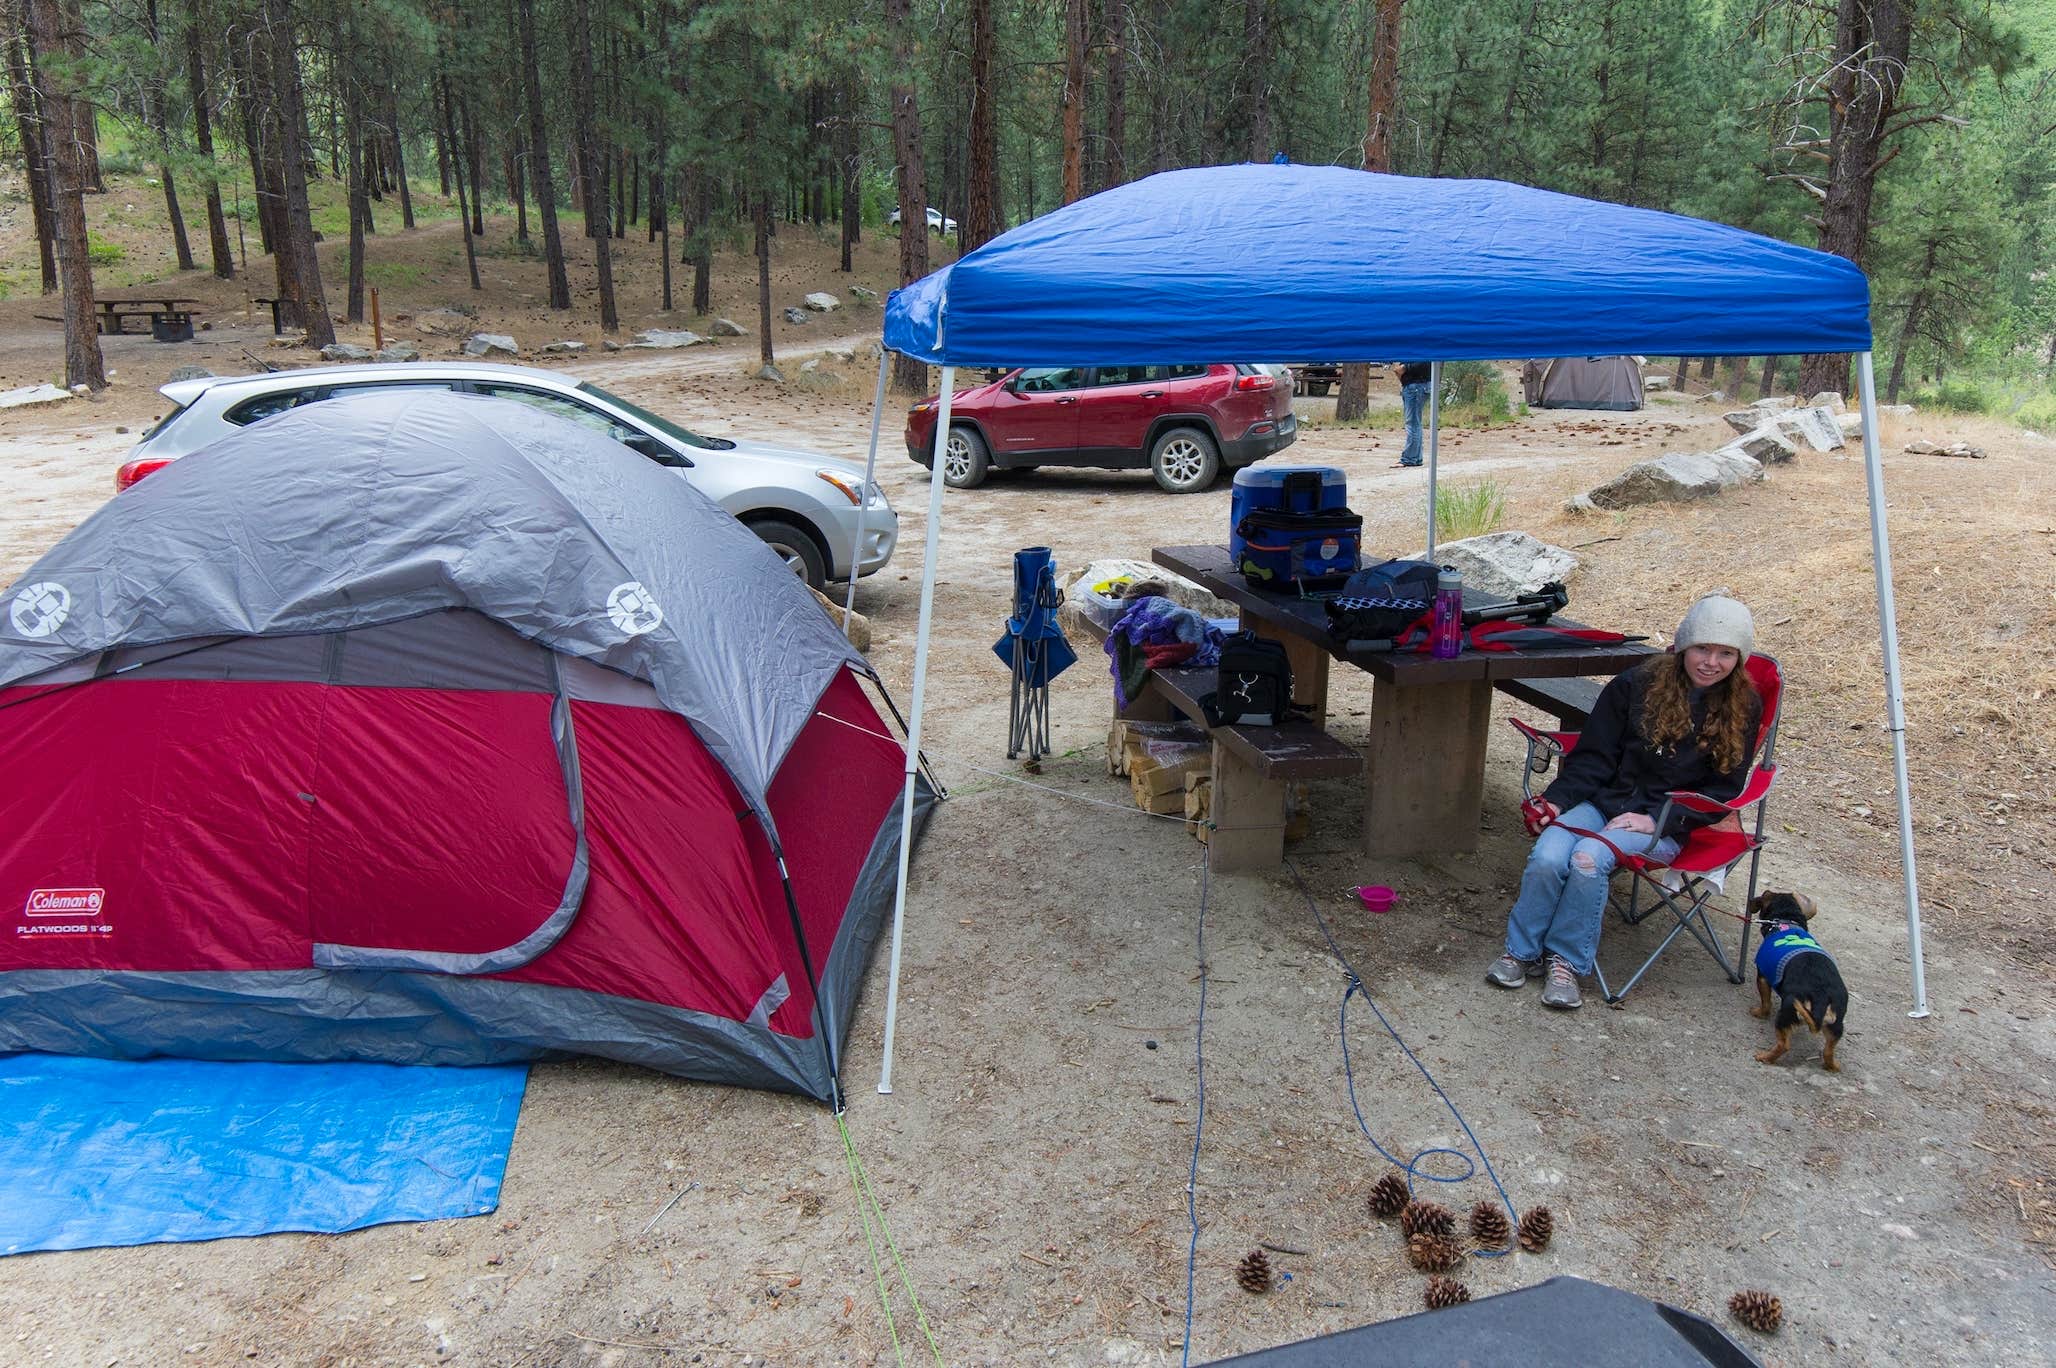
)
(1186, 423)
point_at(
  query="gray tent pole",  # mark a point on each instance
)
(899, 901)
(1895, 704)
(1434, 442)
(849, 605)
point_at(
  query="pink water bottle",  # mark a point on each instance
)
(1445, 638)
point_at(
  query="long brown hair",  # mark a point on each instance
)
(1728, 735)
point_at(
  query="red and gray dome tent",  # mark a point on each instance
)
(431, 729)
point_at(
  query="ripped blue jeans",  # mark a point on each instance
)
(1563, 889)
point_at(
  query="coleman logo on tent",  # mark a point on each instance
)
(41, 609)
(633, 610)
(65, 902)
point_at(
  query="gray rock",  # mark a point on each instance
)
(1652, 383)
(842, 354)
(727, 327)
(1506, 563)
(822, 302)
(567, 347)
(1716, 396)
(32, 394)
(1964, 449)
(345, 351)
(1896, 410)
(1774, 403)
(1765, 444)
(491, 344)
(443, 323)
(397, 351)
(767, 371)
(1743, 420)
(1677, 477)
(1828, 399)
(664, 339)
(179, 373)
(609, 344)
(793, 315)
(1815, 426)
(1922, 447)
(1850, 422)
(862, 295)
(810, 365)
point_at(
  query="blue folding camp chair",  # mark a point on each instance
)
(1035, 649)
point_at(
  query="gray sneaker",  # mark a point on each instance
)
(1508, 972)
(1560, 985)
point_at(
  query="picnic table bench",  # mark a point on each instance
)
(171, 320)
(1251, 764)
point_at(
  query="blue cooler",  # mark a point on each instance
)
(1290, 526)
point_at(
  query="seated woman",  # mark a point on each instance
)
(1682, 720)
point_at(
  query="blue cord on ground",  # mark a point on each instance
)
(1199, 1123)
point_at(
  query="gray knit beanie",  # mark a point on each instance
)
(1717, 620)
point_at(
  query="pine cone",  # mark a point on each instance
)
(1431, 1216)
(1389, 1195)
(1433, 1253)
(1445, 1292)
(1760, 1311)
(1536, 1228)
(1489, 1226)
(1254, 1273)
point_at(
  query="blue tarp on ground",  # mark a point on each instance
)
(120, 1152)
(1311, 263)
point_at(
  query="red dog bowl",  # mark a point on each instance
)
(1377, 897)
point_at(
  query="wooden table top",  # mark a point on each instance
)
(1307, 618)
(170, 302)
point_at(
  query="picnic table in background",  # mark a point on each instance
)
(170, 319)
(1424, 771)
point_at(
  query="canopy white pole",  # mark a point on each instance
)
(849, 605)
(899, 901)
(1895, 703)
(1434, 442)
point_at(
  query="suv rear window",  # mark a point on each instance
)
(264, 405)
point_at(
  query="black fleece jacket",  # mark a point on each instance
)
(1615, 768)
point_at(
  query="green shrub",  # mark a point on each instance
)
(1469, 509)
(1376, 420)
(2038, 412)
(1473, 395)
(101, 252)
(1956, 396)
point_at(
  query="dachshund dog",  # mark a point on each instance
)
(1792, 965)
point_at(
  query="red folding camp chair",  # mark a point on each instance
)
(1709, 853)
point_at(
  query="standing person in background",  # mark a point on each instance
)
(1413, 393)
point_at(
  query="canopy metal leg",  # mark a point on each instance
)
(1434, 443)
(849, 604)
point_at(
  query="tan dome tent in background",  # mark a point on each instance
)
(1586, 382)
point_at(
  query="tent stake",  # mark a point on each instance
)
(934, 538)
(1895, 703)
(849, 605)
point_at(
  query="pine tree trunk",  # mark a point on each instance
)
(457, 172)
(981, 205)
(1117, 92)
(298, 266)
(51, 37)
(1073, 100)
(517, 188)
(474, 151)
(1678, 380)
(1769, 378)
(908, 374)
(400, 159)
(591, 160)
(539, 159)
(1353, 393)
(155, 116)
(699, 198)
(1256, 72)
(760, 206)
(203, 140)
(1872, 38)
(852, 188)
(353, 154)
(32, 128)
(250, 79)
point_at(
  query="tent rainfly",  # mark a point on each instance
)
(1278, 260)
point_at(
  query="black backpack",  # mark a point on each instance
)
(1254, 683)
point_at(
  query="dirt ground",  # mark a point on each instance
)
(1034, 1156)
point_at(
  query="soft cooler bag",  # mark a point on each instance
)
(1290, 525)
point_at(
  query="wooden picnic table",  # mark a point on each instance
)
(170, 319)
(1424, 771)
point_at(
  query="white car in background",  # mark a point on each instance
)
(806, 506)
(936, 222)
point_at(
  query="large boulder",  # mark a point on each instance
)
(1774, 403)
(1815, 426)
(45, 393)
(793, 315)
(397, 352)
(664, 339)
(345, 351)
(855, 626)
(1765, 444)
(1505, 563)
(1743, 420)
(491, 344)
(1828, 399)
(1676, 478)
(443, 323)
(726, 327)
(567, 347)
(822, 302)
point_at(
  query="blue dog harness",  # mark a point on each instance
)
(1783, 943)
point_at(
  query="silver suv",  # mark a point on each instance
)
(803, 504)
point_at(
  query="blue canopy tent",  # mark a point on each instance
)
(1275, 262)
